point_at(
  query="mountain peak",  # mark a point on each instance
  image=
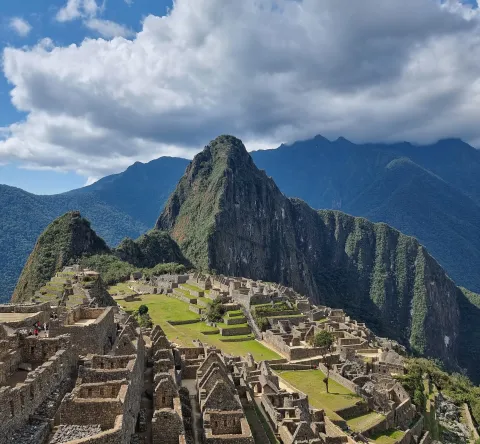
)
(227, 151)
(66, 239)
(218, 179)
(228, 216)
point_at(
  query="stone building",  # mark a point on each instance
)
(105, 402)
(31, 368)
(223, 416)
(91, 330)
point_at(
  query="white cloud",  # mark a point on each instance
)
(90, 180)
(129, 2)
(75, 9)
(268, 71)
(70, 11)
(108, 29)
(20, 26)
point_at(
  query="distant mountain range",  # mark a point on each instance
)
(430, 192)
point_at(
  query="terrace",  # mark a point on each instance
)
(164, 309)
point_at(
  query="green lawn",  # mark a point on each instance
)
(234, 313)
(191, 287)
(163, 308)
(120, 289)
(388, 437)
(364, 422)
(311, 383)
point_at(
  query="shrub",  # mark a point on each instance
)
(262, 323)
(215, 311)
(142, 310)
(323, 339)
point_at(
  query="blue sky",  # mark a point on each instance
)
(267, 71)
(40, 14)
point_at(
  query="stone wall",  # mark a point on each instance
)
(195, 309)
(97, 337)
(83, 408)
(109, 368)
(26, 308)
(235, 331)
(404, 414)
(188, 321)
(19, 402)
(341, 380)
(359, 409)
(235, 320)
(112, 436)
(168, 425)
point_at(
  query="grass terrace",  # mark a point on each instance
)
(163, 308)
(311, 383)
(120, 289)
(234, 313)
(388, 437)
(364, 422)
(191, 287)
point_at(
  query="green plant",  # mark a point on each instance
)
(262, 323)
(323, 339)
(215, 311)
(142, 310)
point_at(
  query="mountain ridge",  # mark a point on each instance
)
(325, 174)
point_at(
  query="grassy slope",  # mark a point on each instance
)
(311, 383)
(163, 308)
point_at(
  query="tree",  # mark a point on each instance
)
(215, 311)
(142, 310)
(325, 380)
(323, 339)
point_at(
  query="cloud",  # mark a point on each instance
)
(75, 9)
(108, 29)
(20, 26)
(268, 71)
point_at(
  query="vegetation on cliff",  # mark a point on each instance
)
(228, 216)
(114, 270)
(430, 192)
(150, 249)
(455, 386)
(65, 241)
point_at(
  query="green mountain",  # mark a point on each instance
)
(326, 174)
(150, 249)
(229, 216)
(435, 197)
(65, 241)
(417, 202)
(140, 191)
(125, 204)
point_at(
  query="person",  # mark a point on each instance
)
(45, 326)
(35, 332)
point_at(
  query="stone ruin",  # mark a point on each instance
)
(96, 377)
(79, 381)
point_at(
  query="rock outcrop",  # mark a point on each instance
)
(63, 242)
(228, 216)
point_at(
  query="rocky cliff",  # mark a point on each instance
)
(228, 216)
(63, 242)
